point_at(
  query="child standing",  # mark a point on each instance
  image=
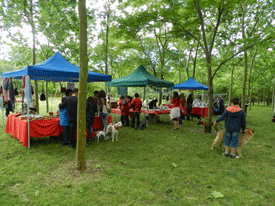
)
(234, 122)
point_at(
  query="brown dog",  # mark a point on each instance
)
(243, 139)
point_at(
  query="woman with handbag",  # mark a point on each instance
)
(103, 109)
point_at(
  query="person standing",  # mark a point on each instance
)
(189, 105)
(221, 105)
(124, 105)
(63, 119)
(91, 110)
(175, 112)
(234, 122)
(70, 103)
(183, 104)
(102, 109)
(136, 105)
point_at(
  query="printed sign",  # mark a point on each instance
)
(122, 90)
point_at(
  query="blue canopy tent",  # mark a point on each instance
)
(56, 68)
(191, 84)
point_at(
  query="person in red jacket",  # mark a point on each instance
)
(175, 112)
(124, 106)
(136, 105)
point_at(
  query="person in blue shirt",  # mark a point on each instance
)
(234, 121)
(63, 121)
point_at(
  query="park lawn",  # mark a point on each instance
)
(156, 166)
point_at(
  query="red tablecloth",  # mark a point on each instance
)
(155, 112)
(40, 128)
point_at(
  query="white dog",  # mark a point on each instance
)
(113, 129)
(99, 135)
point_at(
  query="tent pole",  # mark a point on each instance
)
(27, 86)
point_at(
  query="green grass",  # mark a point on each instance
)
(151, 167)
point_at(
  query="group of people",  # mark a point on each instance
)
(68, 114)
(179, 102)
(125, 104)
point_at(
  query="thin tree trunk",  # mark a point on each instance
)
(264, 97)
(179, 76)
(245, 61)
(82, 94)
(107, 41)
(258, 94)
(195, 61)
(144, 93)
(251, 96)
(273, 96)
(210, 99)
(33, 56)
(231, 83)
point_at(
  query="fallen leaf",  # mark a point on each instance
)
(97, 166)
(217, 194)
(174, 164)
(37, 193)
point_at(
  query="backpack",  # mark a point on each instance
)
(42, 97)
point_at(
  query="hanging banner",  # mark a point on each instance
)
(28, 92)
(122, 90)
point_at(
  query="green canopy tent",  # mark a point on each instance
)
(140, 78)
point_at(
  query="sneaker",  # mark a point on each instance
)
(225, 154)
(234, 156)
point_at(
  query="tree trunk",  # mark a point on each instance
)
(210, 99)
(258, 94)
(33, 56)
(179, 76)
(82, 93)
(195, 61)
(144, 93)
(251, 96)
(231, 83)
(47, 98)
(245, 61)
(264, 97)
(107, 41)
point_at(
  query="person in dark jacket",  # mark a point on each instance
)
(153, 104)
(190, 100)
(234, 122)
(70, 104)
(91, 110)
(221, 105)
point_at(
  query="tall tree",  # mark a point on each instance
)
(82, 93)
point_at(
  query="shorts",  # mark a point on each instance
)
(175, 119)
(231, 138)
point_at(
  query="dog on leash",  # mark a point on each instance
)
(243, 139)
(113, 129)
(100, 135)
(191, 115)
(143, 124)
(212, 124)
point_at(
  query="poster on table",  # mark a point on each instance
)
(122, 90)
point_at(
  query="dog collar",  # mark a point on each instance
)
(249, 133)
(116, 128)
(203, 123)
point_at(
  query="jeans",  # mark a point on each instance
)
(72, 126)
(136, 115)
(89, 125)
(66, 132)
(231, 138)
(104, 120)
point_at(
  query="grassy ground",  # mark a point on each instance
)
(151, 167)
